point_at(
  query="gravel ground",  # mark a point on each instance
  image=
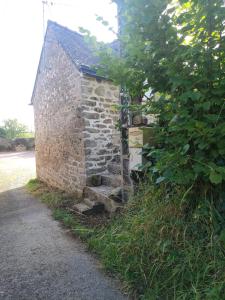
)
(38, 258)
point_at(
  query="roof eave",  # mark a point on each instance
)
(91, 72)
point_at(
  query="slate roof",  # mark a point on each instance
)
(74, 45)
(81, 54)
(77, 48)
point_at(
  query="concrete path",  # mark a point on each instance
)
(16, 169)
(39, 259)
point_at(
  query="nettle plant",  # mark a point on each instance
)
(176, 49)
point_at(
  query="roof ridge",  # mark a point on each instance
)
(77, 50)
(50, 23)
(73, 43)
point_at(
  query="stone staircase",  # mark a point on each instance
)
(103, 192)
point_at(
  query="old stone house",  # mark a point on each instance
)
(75, 120)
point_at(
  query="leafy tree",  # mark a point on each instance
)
(176, 50)
(2, 132)
(13, 128)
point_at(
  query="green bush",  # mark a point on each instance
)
(172, 247)
(175, 51)
(161, 251)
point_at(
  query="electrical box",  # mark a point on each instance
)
(138, 137)
(135, 159)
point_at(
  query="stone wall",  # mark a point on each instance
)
(5, 145)
(101, 138)
(23, 143)
(60, 157)
(74, 121)
(17, 144)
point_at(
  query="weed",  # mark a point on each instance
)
(159, 250)
(52, 197)
(33, 185)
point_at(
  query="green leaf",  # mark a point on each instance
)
(206, 105)
(222, 236)
(215, 177)
(186, 148)
(174, 56)
(160, 179)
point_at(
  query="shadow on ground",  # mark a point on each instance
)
(39, 260)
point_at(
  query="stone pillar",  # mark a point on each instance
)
(124, 117)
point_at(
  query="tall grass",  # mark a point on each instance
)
(159, 248)
(163, 252)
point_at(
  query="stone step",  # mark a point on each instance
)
(89, 202)
(102, 194)
(111, 180)
(82, 208)
(88, 207)
(97, 206)
(114, 168)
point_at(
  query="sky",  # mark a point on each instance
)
(21, 32)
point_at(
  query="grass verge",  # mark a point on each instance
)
(61, 204)
(159, 250)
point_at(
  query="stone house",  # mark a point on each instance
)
(75, 121)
